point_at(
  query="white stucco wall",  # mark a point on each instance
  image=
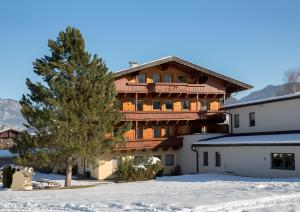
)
(276, 116)
(108, 163)
(253, 161)
(186, 157)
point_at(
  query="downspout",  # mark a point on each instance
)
(230, 121)
(194, 149)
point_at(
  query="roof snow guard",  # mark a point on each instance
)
(284, 139)
(240, 85)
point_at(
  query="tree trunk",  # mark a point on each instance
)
(68, 178)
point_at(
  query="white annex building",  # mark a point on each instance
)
(264, 140)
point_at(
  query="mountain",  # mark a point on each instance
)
(267, 92)
(10, 114)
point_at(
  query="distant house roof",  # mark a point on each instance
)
(289, 139)
(7, 129)
(6, 154)
(240, 85)
(264, 101)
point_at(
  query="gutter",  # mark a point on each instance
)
(194, 149)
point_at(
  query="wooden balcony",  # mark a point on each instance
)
(154, 143)
(167, 115)
(176, 88)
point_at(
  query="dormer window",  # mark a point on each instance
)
(168, 78)
(156, 78)
(141, 78)
(181, 79)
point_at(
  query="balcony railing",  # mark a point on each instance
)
(167, 115)
(166, 88)
(154, 143)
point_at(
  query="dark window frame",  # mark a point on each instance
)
(236, 118)
(139, 103)
(140, 133)
(205, 158)
(138, 79)
(252, 119)
(159, 77)
(189, 104)
(218, 159)
(173, 160)
(169, 100)
(204, 104)
(170, 131)
(168, 75)
(292, 168)
(154, 130)
(153, 104)
(183, 79)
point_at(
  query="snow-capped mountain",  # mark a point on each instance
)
(10, 114)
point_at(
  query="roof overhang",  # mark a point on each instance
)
(285, 139)
(234, 85)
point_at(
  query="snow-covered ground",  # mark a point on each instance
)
(203, 192)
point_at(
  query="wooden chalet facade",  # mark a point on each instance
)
(170, 97)
(165, 99)
(7, 136)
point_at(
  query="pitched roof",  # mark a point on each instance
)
(264, 101)
(242, 86)
(7, 129)
(285, 139)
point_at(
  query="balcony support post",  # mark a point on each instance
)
(197, 100)
(136, 123)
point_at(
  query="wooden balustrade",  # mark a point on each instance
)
(166, 88)
(155, 143)
(167, 115)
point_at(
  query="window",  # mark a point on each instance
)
(236, 120)
(169, 160)
(156, 132)
(120, 104)
(168, 131)
(139, 105)
(141, 78)
(169, 104)
(181, 79)
(139, 133)
(167, 78)
(205, 158)
(203, 104)
(252, 119)
(218, 159)
(156, 104)
(283, 161)
(156, 78)
(115, 131)
(186, 104)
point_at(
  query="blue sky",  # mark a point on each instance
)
(253, 41)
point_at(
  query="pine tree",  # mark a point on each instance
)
(73, 110)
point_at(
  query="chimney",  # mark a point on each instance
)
(133, 64)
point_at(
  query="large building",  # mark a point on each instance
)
(264, 140)
(166, 99)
